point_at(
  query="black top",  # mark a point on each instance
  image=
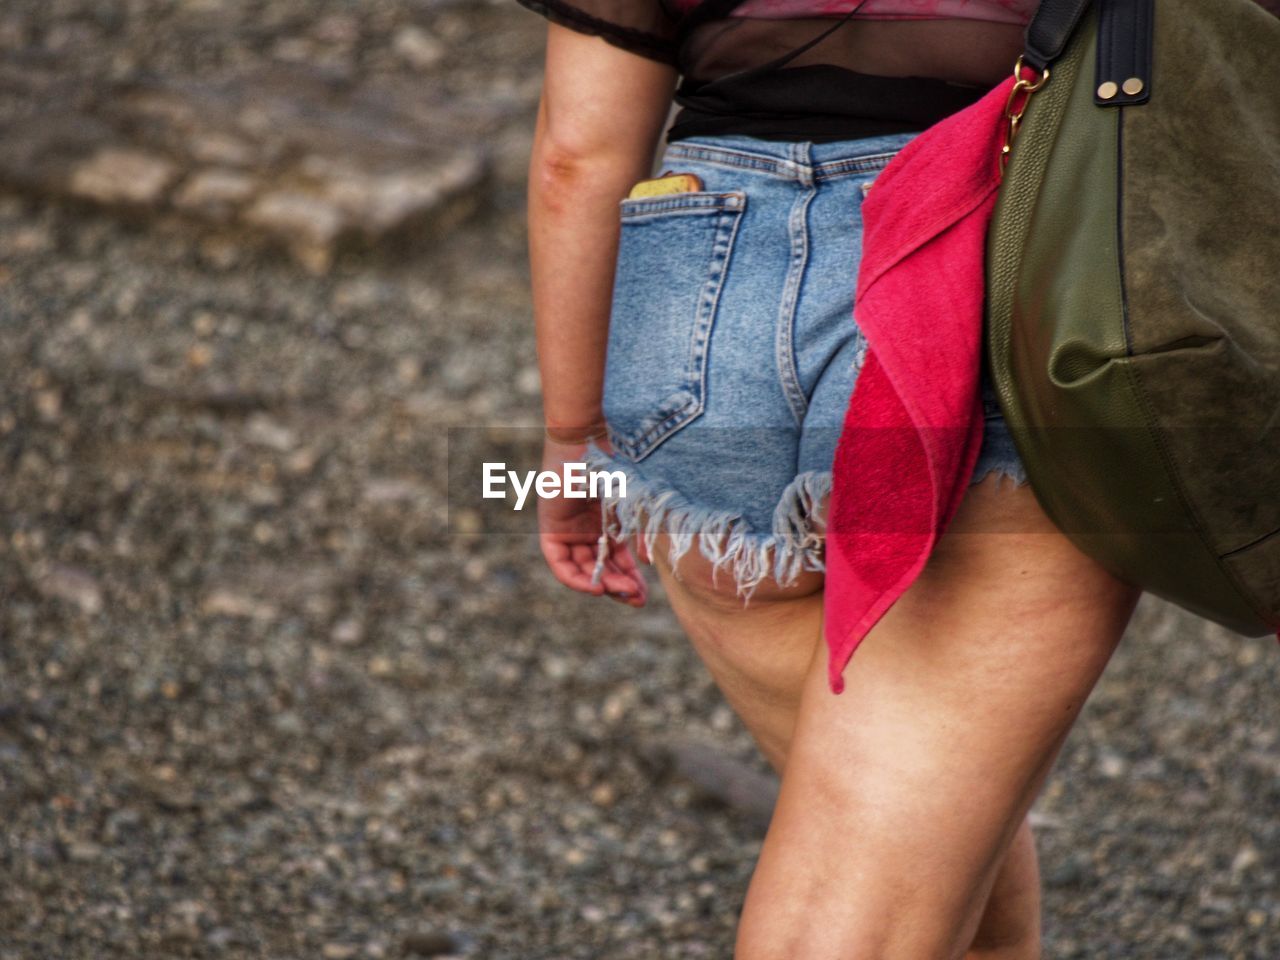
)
(814, 69)
(838, 104)
(784, 74)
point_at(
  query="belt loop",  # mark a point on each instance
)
(802, 158)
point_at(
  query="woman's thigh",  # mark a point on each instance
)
(902, 794)
(759, 652)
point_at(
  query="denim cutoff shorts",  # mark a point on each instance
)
(733, 352)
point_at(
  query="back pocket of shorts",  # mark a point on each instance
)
(673, 254)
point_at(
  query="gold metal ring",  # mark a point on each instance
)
(1029, 86)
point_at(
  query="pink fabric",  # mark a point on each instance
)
(913, 429)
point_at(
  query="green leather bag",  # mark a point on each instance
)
(1133, 280)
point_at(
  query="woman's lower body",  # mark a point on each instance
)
(900, 829)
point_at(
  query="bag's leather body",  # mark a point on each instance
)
(1133, 324)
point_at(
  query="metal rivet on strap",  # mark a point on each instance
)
(1133, 86)
(1108, 90)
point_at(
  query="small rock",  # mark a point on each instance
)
(262, 431)
(604, 795)
(220, 938)
(33, 239)
(417, 48)
(337, 28)
(308, 224)
(74, 585)
(348, 632)
(83, 852)
(222, 149)
(392, 490)
(214, 193)
(219, 252)
(428, 943)
(205, 323)
(378, 202)
(1246, 858)
(1209, 921)
(408, 369)
(556, 667)
(230, 603)
(48, 404)
(464, 520)
(1072, 872)
(199, 356)
(1112, 765)
(528, 381)
(294, 50)
(1045, 821)
(114, 176)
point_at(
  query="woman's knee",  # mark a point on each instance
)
(888, 900)
(798, 925)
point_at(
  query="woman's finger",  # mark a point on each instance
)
(584, 555)
(620, 572)
(566, 568)
(623, 588)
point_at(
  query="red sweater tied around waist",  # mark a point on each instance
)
(913, 429)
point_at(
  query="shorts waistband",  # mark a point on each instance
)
(800, 160)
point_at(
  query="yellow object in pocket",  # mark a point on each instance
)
(669, 183)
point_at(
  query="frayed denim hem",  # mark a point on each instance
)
(724, 537)
(999, 454)
(1015, 472)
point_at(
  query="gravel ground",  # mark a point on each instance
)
(260, 698)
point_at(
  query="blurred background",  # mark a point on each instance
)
(260, 695)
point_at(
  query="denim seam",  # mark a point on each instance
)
(726, 156)
(686, 204)
(832, 169)
(777, 167)
(784, 342)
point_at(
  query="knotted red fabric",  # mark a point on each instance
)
(913, 429)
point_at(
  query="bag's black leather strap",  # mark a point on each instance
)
(1050, 29)
(1125, 40)
(1125, 43)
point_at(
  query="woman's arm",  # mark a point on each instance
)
(599, 120)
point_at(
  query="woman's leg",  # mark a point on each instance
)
(759, 656)
(902, 798)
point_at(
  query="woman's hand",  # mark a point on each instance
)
(569, 533)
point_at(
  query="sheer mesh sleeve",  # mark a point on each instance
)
(641, 26)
